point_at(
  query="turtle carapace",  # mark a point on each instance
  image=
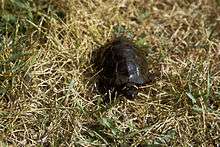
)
(123, 68)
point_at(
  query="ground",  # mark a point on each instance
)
(48, 83)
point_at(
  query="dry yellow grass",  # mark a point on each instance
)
(52, 100)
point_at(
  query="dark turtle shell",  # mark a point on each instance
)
(124, 68)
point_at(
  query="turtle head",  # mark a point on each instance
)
(130, 91)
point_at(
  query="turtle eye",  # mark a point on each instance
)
(130, 91)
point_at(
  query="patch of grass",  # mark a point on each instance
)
(47, 89)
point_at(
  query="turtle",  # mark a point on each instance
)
(123, 68)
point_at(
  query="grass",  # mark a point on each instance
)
(48, 94)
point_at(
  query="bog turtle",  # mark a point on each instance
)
(123, 68)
